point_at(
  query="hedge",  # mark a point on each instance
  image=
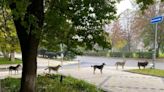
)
(147, 55)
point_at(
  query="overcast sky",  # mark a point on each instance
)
(123, 5)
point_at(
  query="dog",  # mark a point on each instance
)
(56, 68)
(15, 68)
(120, 64)
(100, 67)
(143, 64)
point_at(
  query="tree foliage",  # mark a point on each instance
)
(65, 22)
(144, 4)
(147, 30)
(76, 23)
(8, 38)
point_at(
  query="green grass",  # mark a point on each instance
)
(51, 83)
(6, 61)
(153, 72)
(161, 55)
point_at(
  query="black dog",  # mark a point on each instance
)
(15, 68)
(98, 67)
(143, 64)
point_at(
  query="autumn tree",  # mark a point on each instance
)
(117, 35)
(147, 30)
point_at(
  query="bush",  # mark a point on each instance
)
(98, 53)
(69, 55)
(6, 61)
(51, 83)
(116, 54)
(129, 54)
(147, 55)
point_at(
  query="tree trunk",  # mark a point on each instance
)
(12, 56)
(29, 40)
(29, 67)
(5, 54)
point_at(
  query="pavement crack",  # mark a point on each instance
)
(104, 81)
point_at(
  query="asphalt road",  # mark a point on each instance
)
(87, 61)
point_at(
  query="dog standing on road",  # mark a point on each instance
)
(120, 64)
(100, 67)
(56, 68)
(143, 64)
(15, 68)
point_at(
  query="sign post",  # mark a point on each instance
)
(155, 21)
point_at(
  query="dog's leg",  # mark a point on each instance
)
(49, 71)
(101, 71)
(9, 71)
(94, 70)
(139, 66)
(117, 67)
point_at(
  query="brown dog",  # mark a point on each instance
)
(120, 64)
(56, 68)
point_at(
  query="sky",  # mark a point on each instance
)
(123, 5)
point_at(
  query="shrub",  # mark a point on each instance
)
(147, 55)
(51, 83)
(128, 54)
(98, 53)
(116, 54)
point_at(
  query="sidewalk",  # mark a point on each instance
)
(42, 63)
(113, 80)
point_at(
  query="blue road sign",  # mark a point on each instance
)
(156, 19)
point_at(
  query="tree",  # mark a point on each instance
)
(118, 36)
(28, 19)
(147, 29)
(8, 39)
(129, 32)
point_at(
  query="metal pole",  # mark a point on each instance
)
(61, 49)
(48, 63)
(78, 65)
(155, 35)
(155, 45)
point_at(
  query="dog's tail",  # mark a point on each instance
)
(46, 68)
(116, 64)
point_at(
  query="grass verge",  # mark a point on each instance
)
(51, 83)
(6, 61)
(153, 72)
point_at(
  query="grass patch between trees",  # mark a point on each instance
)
(51, 83)
(6, 61)
(153, 72)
